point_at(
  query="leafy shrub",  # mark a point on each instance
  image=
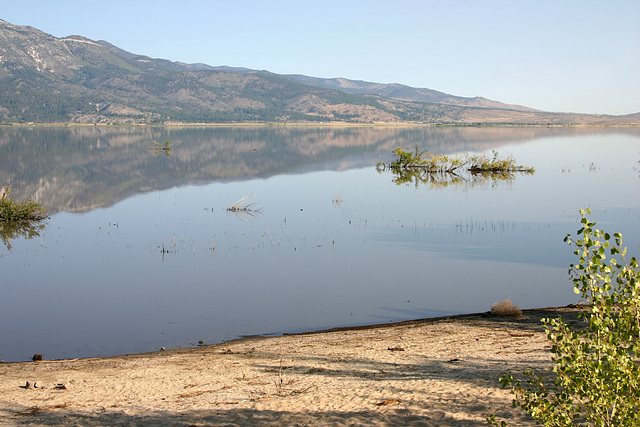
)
(597, 369)
(12, 211)
(483, 163)
(19, 219)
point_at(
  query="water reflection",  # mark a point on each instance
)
(155, 259)
(19, 230)
(82, 168)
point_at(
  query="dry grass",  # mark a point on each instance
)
(505, 308)
(242, 206)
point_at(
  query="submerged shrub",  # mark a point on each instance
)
(12, 211)
(19, 219)
(440, 170)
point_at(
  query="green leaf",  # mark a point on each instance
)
(597, 371)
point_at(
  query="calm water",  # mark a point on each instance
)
(331, 243)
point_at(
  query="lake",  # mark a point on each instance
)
(140, 251)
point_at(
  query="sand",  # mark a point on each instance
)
(435, 372)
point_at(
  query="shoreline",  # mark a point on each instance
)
(337, 329)
(331, 124)
(437, 371)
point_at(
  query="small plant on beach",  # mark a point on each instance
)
(505, 308)
(440, 170)
(280, 383)
(597, 369)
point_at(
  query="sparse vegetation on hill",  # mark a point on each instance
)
(44, 79)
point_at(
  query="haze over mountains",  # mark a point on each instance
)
(45, 79)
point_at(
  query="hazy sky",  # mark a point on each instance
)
(556, 55)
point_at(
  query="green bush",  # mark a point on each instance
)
(597, 369)
(12, 211)
(19, 219)
(440, 170)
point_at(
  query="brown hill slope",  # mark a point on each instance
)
(46, 79)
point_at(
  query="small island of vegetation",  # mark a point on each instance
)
(19, 219)
(440, 170)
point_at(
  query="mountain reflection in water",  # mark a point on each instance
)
(81, 168)
(141, 252)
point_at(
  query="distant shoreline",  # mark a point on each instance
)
(326, 124)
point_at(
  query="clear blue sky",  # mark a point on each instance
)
(556, 55)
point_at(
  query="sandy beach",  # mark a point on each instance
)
(434, 372)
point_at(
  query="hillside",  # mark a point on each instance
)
(45, 79)
(403, 92)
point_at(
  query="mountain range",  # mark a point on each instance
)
(45, 79)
